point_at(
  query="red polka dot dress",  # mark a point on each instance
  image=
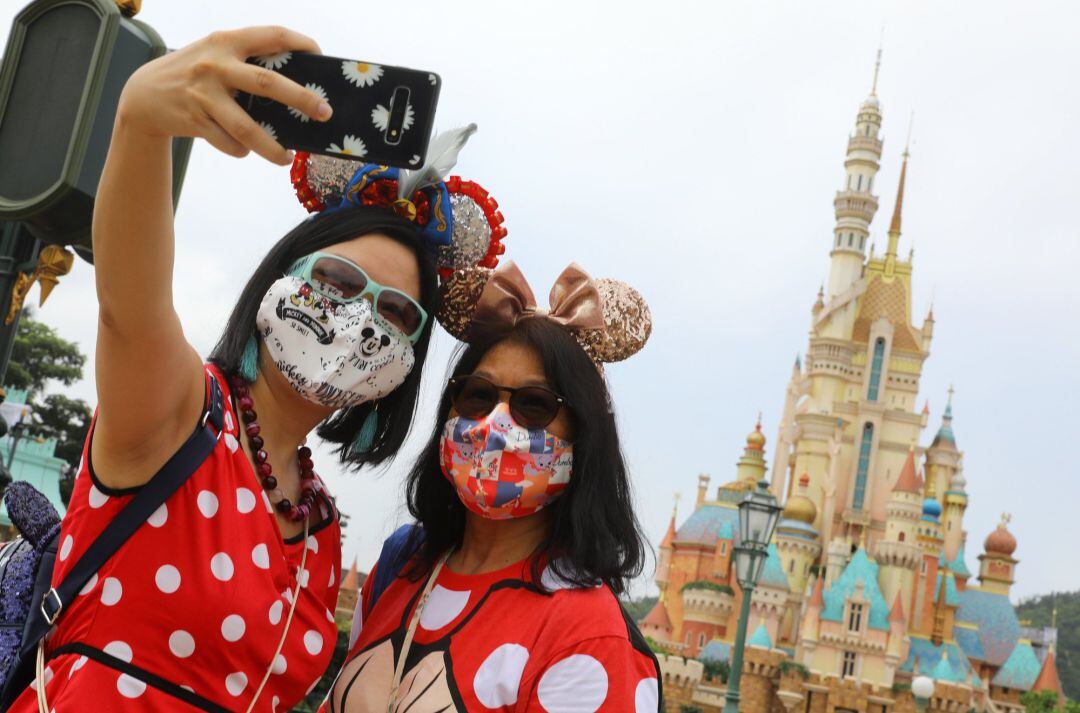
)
(188, 613)
(496, 642)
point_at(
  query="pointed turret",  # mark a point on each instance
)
(663, 562)
(896, 614)
(351, 583)
(908, 482)
(1048, 678)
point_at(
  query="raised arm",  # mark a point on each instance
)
(149, 379)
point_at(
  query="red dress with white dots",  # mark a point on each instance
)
(497, 642)
(187, 614)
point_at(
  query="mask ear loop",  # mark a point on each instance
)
(288, 622)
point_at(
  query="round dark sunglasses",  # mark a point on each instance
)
(474, 397)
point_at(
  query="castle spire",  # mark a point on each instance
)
(877, 68)
(894, 226)
(855, 203)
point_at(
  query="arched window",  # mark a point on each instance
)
(864, 466)
(791, 566)
(862, 242)
(850, 239)
(875, 370)
(901, 538)
(858, 185)
(701, 640)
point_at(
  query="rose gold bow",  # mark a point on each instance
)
(507, 299)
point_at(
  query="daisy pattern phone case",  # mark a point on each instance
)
(382, 114)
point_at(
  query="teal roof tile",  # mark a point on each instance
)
(1021, 669)
(947, 582)
(760, 638)
(860, 569)
(708, 523)
(945, 662)
(994, 617)
(969, 642)
(772, 575)
(715, 650)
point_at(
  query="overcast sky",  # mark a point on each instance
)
(693, 150)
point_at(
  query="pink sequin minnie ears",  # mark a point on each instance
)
(608, 318)
(457, 218)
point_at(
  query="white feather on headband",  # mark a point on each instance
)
(442, 155)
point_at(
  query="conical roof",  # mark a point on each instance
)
(658, 617)
(351, 583)
(908, 482)
(1048, 678)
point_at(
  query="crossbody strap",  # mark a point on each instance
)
(149, 498)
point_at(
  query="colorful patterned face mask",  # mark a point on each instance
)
(502, 470)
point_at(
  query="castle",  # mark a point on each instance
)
(866, 584)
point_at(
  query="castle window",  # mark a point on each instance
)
(723, 548)
(849, 664)
(689, 637)
(858, 184)
(791, 566)
(901, 538)
(855, 618)
(864, 465)
(862, 242)
(924, 567)
(875, 369)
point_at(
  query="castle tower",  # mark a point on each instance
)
(751, 467)
(663, 560)
(785, 431)
(898, 551)
(796, 539)
(997, 568)
(894, 649)
(944, 465)
(855, 203)
(930, 541)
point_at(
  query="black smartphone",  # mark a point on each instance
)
(382, 114)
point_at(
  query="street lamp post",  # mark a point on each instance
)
(922, 688)
(758, 513)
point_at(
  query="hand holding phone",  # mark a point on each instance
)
(382, 114)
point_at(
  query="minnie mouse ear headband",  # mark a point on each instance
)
(458, 219)
(608, 318)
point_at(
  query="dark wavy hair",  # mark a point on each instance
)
(595, 535)
(395, 409)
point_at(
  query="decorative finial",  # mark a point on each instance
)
(675, 508)
(758, 426)
(910, 123)
(877, 62)
(1006, 518)
(948, 406)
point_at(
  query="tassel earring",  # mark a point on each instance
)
(366, 438)
(249, 362)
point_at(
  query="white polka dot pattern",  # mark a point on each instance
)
(159, 516)
(129, 686)
(90, 584)
(646, 696)
(577, 684)
(96, 497)
(497, 680)
(167, 578)
(275, 611)
(221, 566)
(120, 650)
(235, 683)
(181, 644)
(233, 627)
(65, 547)
(280, 665)
(245, 501)
(111, 591)
(313, 642)
(261, 556)
(207, 502)
(443, 606)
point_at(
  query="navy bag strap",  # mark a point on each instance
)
(396, 551)
(149, 498)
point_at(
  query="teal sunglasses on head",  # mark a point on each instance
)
(343, 281)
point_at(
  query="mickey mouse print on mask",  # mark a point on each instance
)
(502, 470)
(335, 355)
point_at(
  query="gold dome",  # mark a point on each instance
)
(756, 439)
(801, 508)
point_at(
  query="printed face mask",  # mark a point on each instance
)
(502, 470)
(333, 355)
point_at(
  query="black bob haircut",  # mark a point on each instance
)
(395, 409)
(594, 536)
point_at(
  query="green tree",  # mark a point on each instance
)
(39, 357)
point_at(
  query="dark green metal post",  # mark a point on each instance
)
(18, 253)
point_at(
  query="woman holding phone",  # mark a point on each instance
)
(223, 598)
(503, 596)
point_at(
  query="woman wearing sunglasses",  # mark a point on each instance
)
(222, 600)
(503, 595)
